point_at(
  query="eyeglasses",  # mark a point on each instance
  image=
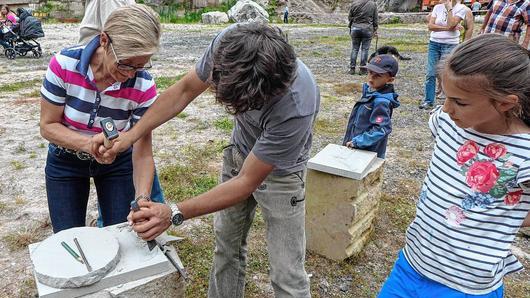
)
(127, 67)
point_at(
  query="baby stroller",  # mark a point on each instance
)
(21, 39)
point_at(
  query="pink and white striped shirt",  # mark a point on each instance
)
(69, 82)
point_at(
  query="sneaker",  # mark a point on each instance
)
(426, 106)
(351, 71)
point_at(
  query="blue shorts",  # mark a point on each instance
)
(405, 282)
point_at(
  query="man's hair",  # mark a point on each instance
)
(252, 64)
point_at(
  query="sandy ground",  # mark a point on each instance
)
(23, 207)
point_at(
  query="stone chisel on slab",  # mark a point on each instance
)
(88, 267)
(109, 130)
(72, 252)
(151, 243)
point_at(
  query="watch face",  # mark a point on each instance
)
(177, 219)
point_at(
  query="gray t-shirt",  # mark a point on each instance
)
(280, 133)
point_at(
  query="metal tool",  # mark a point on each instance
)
(72, 252)
(109, 130)
(151, 243)
(88, 267)
(180, 269)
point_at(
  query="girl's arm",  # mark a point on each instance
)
(469, 25)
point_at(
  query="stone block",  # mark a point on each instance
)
(340, 212)
(342, 161)
(214, 17)
(248, 11)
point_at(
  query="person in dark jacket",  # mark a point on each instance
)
(363, 26)
(370, 120)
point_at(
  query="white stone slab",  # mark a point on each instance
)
(99, 246)
(136, 262)
(342, 161)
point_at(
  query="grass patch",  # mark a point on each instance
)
(21, 148)
(3, 207)
(196, 253)
(42, 145)
(32, 155)
(182, 115)
(347, 89)
(225, 124)
(17, 165)
(34, 93)
(20, 239)
(16, 86)
(162, 83)
(195, 175)
(400, 206)
(330, 126)
(407, 44)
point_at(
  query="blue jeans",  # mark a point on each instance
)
(360, 39)
(156, 196)
(405, 282)
(436, 52)
(68, 186)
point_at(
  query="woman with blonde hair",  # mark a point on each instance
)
(83, 85)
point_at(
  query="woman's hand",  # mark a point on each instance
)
(95, 146)
(99, 151)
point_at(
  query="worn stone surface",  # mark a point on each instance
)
(56, 268)
(214, 17)
(342, 161)
(339, 220)
(248, 11)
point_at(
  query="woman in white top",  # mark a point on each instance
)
(445, 35)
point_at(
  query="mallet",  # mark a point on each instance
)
(109, 130)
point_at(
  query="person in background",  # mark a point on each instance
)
(363, 23)
(370, 121)
(507, 17)
(286, 12)
(444, 25)
(84, 84)
(476, 195)
(475, 7)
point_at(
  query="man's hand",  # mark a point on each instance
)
(350, 145)
(120, 144)
(151, 220)
(94, 143)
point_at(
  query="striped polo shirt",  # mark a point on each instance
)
(473, 201)
(507, 18)
(69, 82)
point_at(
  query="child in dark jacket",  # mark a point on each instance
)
(370, 120)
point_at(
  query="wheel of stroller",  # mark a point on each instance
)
(37, 53)
(23, 53)
(10, 53)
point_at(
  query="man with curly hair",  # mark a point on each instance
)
(274, 99)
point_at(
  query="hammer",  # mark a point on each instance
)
(109, 130)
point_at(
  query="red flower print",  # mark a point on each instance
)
(495, 150)
(482, 176)
(454, 216)
(512, 198)
(466, 152)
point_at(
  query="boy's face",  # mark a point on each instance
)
(378, 80)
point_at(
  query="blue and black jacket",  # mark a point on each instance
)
(370, 120)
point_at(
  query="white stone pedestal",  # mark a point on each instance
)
(139, 273)
(340, 211)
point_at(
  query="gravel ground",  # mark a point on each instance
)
(23, 208)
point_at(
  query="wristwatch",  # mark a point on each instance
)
(176, 216)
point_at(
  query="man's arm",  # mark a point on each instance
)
(469, 25)
(170, 103)
(486, 21)
(143, 166)
(526, 37)
(376, 20)
(155, 218)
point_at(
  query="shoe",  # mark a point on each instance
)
(426, 106)
(351, 71)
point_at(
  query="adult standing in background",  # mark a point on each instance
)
(363, 24)
(507, 17)
(444, 25)
(96, 13)
(286, 12)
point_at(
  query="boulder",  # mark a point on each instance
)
(214, 17)
(248, 11)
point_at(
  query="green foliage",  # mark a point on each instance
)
(17, 165)
(163, 83)
(271, 9)
(225, 124)
(394, 20)
(169, 14)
